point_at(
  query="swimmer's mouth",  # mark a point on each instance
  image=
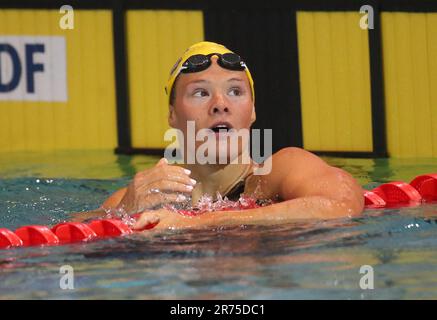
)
(221, 127)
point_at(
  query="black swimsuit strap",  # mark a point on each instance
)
(235, 193)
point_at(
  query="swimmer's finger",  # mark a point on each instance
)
(178, 169)
(163, 166)
(162, 162)
(175, 177)
(146, 218)
(164, 173)
(153, 200)
(171, 170)
(165, 186)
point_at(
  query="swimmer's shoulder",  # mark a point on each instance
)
(289, 164)
(294, 158)
(114, 199)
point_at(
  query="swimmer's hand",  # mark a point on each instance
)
(161, 218)
(156, 186)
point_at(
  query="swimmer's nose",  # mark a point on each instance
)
(219, 104)
(220, 109)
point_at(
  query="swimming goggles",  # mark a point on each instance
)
(200, 62)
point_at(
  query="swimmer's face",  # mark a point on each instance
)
(213, 97)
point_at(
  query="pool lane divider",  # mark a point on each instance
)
(388, 195)
(400, 194)
(66, 232)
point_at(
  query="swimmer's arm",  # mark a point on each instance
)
(309, 188)
(110, 203)
(310, 207)
(312, 188)
(114, 199)
(314, 207)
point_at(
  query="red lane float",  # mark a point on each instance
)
(36, 235)
(398, 193)
(426, 185)
(73, 232)
(372, 200)
(110, 228)
(422, 188)
(9, 239)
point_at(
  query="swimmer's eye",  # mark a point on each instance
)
(235, 92)
(200, 93)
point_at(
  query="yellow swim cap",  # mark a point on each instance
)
(205, 48)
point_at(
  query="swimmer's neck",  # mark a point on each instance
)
(213, 179)
(201, 172)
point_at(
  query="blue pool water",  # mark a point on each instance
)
(301, 260)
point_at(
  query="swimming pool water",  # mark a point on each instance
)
(300, 260)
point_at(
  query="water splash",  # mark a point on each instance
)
(120, 213)
(206, 203)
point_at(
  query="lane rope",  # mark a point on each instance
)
(396, 194)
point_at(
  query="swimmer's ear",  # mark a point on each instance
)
(171, 116)
(253, 116)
